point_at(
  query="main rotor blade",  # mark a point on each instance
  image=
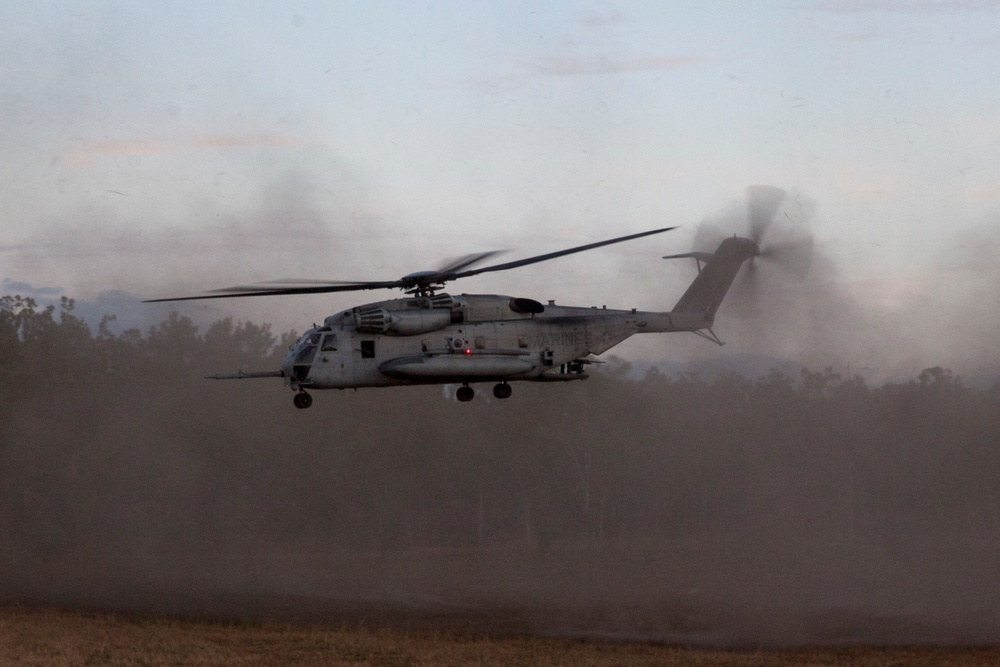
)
(320, 287)
(551, 255)
(462, 262)
(249, 290)
(289, 282)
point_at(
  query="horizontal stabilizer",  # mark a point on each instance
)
(702, 256)
(240, 375)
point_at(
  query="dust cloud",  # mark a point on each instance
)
(885, 326)
(811, 507)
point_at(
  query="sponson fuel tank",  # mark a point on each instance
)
(459, 366)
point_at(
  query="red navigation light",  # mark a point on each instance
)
(468, 350)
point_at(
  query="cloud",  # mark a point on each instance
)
(902, 6)
(86, 153)
(572, 65)
(27, 289)
(602, 19)
(989, 42)
(986, 193)
(603, 64)
(127, 309)
(859, 37)
(588, 50)
(866, 185)
(890, 291)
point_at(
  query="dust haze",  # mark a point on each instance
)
(812, 506)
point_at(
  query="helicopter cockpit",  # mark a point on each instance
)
(301, 355)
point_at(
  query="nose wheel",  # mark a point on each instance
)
(502, 390)
(302, 400)
(465, 393)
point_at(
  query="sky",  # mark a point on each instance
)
(167, 148)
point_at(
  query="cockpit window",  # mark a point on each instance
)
(305, 355)
(329, 343)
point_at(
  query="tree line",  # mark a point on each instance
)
(112, 443)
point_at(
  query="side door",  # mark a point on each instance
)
(366, 354)
(331, 365)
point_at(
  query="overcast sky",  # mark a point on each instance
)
(164, 148)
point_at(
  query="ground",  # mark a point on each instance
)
(62, 637)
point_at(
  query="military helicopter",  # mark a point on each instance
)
(432, 337)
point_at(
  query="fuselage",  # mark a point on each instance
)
(463, 338)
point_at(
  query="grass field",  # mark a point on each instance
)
(57, 638)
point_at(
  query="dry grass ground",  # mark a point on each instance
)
(60, 638)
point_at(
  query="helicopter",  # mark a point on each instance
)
(432, 337)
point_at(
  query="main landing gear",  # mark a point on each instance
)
(465, 393)
(502, 390)
(302, 400)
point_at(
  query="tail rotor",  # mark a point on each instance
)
(778, 226)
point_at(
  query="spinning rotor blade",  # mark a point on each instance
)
(791, 251)
(302, 286)
(781, 241)
(552, 255)
(762, 205)
(707, 237)
(794, 256)
(250, 290)
(462, 262)
(415, 281)
(763, 202)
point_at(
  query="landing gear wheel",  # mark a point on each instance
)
(502, 390)
(302, 400)
(465, 393)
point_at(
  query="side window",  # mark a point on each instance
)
(367, 349)
(330, 343)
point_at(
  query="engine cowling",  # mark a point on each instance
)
(401, 323)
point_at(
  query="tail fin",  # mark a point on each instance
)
(706, 293)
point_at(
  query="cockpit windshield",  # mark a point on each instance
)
(305, 355)
(305, 349)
